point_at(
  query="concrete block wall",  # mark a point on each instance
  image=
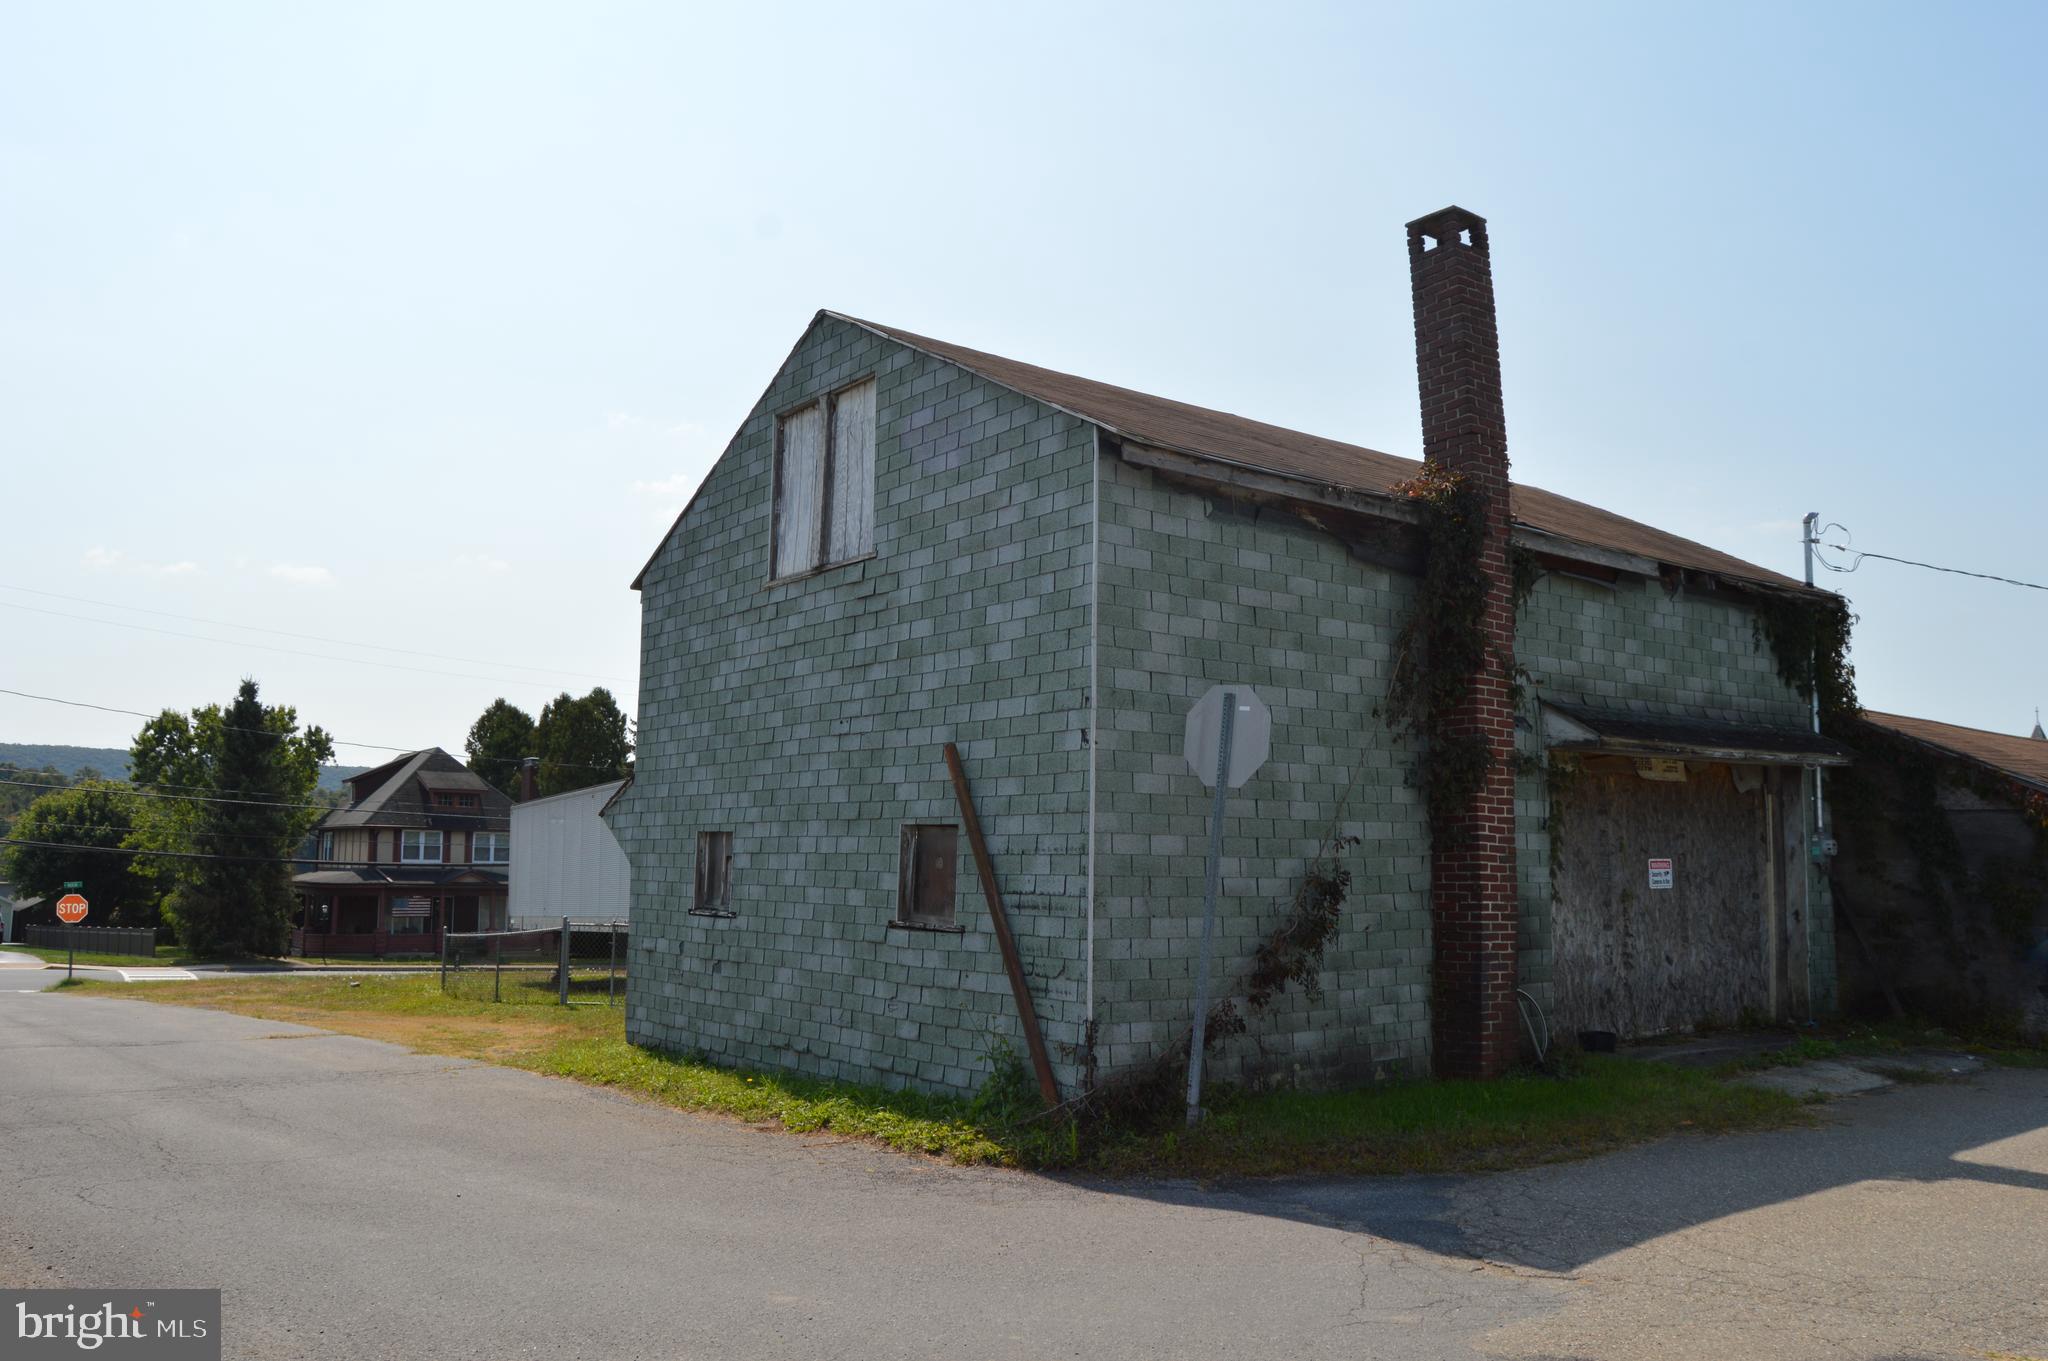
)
(807, 718)
(1194, 593)
(1636, 647)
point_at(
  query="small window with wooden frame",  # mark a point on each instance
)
(925, 881)
(714, 875)
(825, 482)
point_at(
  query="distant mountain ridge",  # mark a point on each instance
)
(112, 762)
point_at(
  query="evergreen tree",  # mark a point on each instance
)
(256, 770)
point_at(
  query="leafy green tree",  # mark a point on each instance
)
(253, 771)
(97, 816)
(498, 742)
(20, 787)
(582, 742)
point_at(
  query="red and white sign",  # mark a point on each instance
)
(1660, 874)
(71, 909)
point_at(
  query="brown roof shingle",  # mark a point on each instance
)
(2023, 758)
(1222, 437)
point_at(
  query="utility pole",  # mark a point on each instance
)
(1809, 538)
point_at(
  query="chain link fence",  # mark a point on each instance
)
(573, 964)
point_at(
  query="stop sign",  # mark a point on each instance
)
(71, 909)
(1251, 735)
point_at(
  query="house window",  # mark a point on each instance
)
(490, 848)
(420, 847)
(924, 893)
(714, 872)
(825, 482)
(327, 845)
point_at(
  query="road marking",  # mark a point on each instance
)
(164, 975)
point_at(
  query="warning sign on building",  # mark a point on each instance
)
(1660, 874)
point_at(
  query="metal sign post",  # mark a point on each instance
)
(562, 971)
(71, 910)
(1215, 870)
(1229, 736)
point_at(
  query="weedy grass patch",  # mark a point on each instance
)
(1599, 1103)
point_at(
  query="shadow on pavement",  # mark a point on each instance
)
(1560, 1217)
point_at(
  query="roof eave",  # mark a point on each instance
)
(2031, 782)
(1244, 477)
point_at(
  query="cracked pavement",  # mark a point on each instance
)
(357, 1200)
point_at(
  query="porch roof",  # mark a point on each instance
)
(403, 876)
(1573, 727)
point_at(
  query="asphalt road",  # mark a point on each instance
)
(359, 1201)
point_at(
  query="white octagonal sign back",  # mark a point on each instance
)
(1251, 735)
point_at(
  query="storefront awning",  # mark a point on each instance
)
(1573, 727)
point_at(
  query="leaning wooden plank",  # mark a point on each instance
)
(1048, 1086)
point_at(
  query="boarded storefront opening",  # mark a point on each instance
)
(1671, 908)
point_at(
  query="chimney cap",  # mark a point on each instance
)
(1463, 217)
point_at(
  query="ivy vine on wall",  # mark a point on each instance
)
(1444, 644)
(1809, 641)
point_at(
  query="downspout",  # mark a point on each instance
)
(1094, 695)
(1811, 538)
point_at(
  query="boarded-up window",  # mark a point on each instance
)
(799, 489)
(714, 872)
(825, 481)
(853, 472)
(925, 895)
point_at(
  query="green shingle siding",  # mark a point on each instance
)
(807, 717)
(1194, 594)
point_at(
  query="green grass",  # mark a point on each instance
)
(1427, 1126)
(165, 954)
(178, 955)
(1409, 1126)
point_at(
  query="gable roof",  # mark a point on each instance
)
(1237, 441)
(2022, 758)
(394, 796)
(1222, 437)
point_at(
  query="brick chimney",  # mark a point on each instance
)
(529, 777)
(1473, 909)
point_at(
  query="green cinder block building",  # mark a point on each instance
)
(910, 543)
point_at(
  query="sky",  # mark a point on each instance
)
(368, 350)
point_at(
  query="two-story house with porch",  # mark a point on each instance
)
(422, 846)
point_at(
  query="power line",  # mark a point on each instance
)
(398, 867)
(309, 637)
(287, 651)
(75, 827)
(131, 850)
(265, 732)
(1860, 555)
(230, 727)
(143, 791)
